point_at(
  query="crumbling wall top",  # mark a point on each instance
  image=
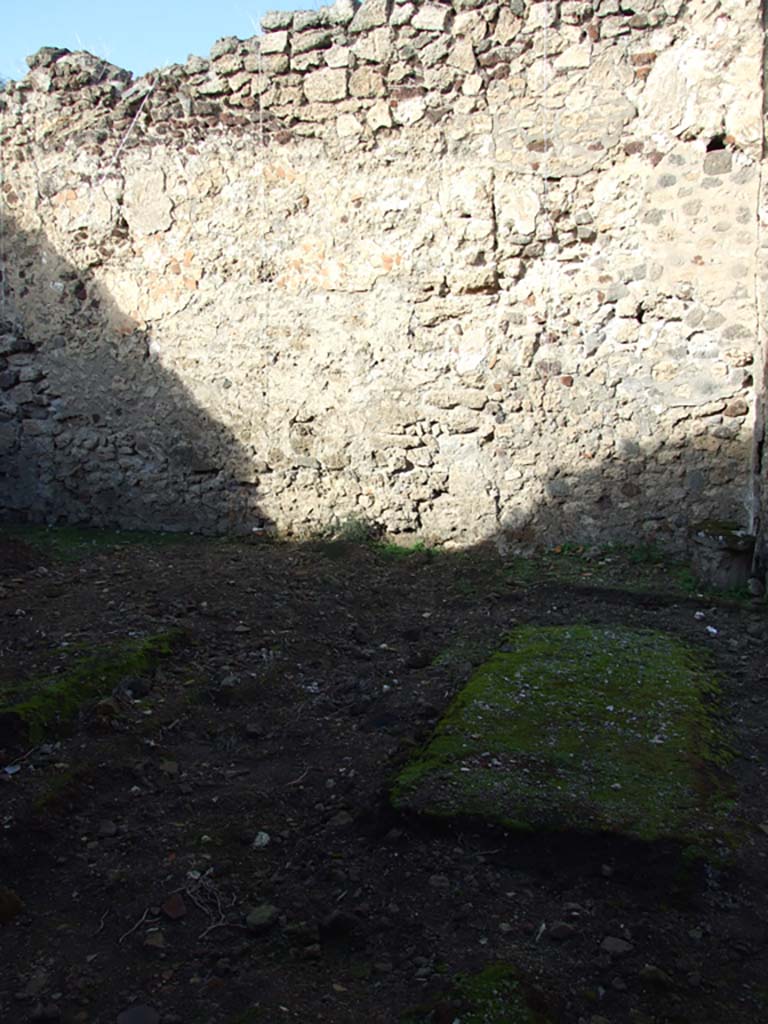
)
(354, 70)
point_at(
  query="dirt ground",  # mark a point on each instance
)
(212, 841)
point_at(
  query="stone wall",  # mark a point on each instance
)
(760, 452)
(461, 270)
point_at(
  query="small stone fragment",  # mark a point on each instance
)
(275, 42)
(720, 161)
(654, 975)
(274, 20)
(615, 946)
(738, 407)
(341, 820)
(222, 47)
(154, 939)
(561, 931)
(342, 12)
(10, 905)
(262, 918)
(302, 934)
(139, 1015)
(326, 86)
(431, 18)
(46, 1011)
(338, 925)
(174, 907)
(370, 14)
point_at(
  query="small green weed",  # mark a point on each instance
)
(496, 995)
(352, 530)
(401, 552)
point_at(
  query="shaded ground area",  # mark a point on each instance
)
(210, 837)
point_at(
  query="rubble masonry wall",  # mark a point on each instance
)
(460, 270)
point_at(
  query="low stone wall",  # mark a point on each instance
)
(460, 270)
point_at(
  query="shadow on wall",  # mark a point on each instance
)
(637, 498)
(93, 429)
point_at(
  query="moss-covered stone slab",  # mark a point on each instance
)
(593, 729)
(496, 995)
(33, 708)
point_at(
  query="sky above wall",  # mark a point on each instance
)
(140, 35)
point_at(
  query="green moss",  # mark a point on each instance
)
(595, 729)
(72, 543)
(399, 552)
(36, 707)
(494, 996)
(636, 569)
(352, 530)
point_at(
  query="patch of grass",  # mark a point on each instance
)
(495, 995)
(639, 554)
(352, 530)
(636, 569)
(525, 571)
(593, 729)
(356, 530)
(71, 543)
(400, 552)
(38, 707)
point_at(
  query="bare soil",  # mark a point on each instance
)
(251, 769)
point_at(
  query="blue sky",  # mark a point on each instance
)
(139, 35)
